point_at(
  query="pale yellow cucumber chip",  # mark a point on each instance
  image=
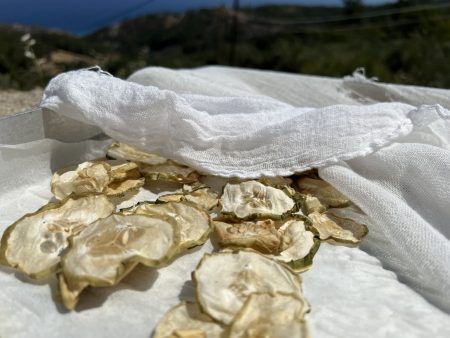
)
(87, 178)
(324, 191)
(224, 281)
(170, 171)
(312, 204)
(276, 181)
(297, 241)
(199, 195)
(121, 188)
(193, 222)
(186, 320)
(112, 178)
(266, 315)
(261, 235)
(254, 199)
(124, 171)
(337, 229)
(110, 248)
(35, 242)
(124, 151)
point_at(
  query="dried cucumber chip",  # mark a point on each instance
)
(124, 170)
(276, 315)
(186, 320)
(338, 230)
(312, 204)
(169, 171)
(200, 195)
(224, 281)
(124, 151)
(153, 166)
(194, 223)
(324, 191)
(277, 181)
(254, 199)
(35, 242)
(87, 178)
(261, 235)
(298, 246)
(286, 241)
(110, 248)
(110, 178)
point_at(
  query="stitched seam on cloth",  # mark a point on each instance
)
(403, 129)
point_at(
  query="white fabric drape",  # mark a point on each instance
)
(391, 158)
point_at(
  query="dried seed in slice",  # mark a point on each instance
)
(254, 199)
(298, 245)
(110, 248)
(224, 281)
(200, 195)
(324, 191)
(170, 171)
(268, 315)
(35, 242)
(261, 236)
(186, 320)
(337, 230)
(193, 222)
(124, 151)
(87, 178)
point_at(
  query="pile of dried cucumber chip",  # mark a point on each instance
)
(269, 230)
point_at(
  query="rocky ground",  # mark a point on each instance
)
(14, 101)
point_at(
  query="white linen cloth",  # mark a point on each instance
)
(245, 136)
(235, 122)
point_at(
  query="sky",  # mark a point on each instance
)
(83, 16)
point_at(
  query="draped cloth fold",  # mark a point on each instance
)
(391, 158)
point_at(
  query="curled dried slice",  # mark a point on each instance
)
(170, 171)
(87, 178)
(199, 195)
(124, 171)
(254, 199)
(337, 229)
(110, 178)
(276, 181)
(35, 242)
(224, 281)
(121, 188)
(298, 246)
(313, 204)
(275, 315)
(110, 248)
(124, 151)
(261, 236)
(186, 320)
(324, 191)
(194, 223)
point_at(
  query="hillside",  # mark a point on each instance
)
(405, 45)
